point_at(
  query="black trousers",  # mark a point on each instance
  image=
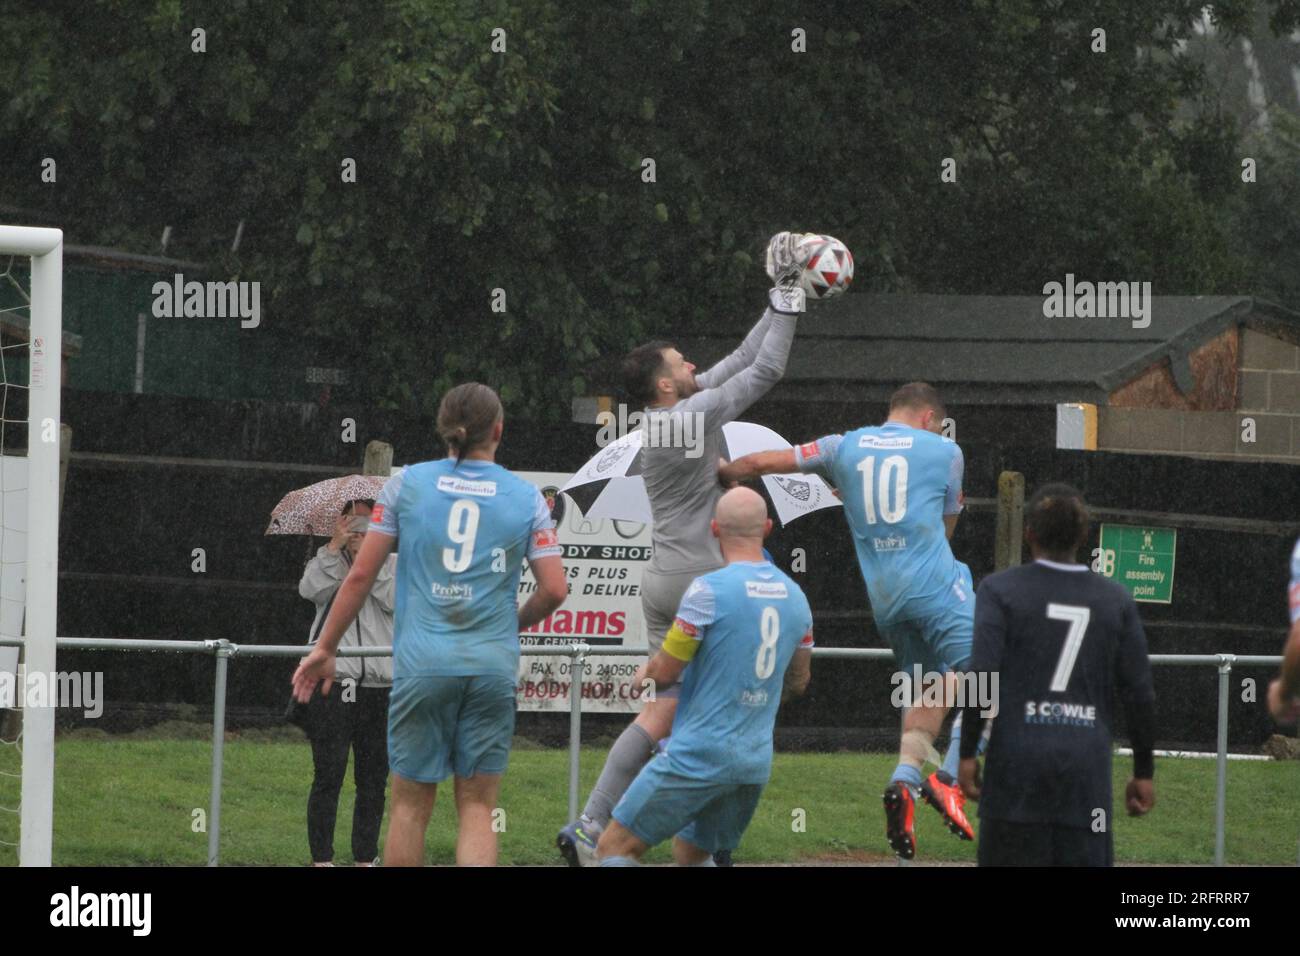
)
(1005, 843)
(336, 727)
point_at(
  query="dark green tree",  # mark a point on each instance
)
(525, 170)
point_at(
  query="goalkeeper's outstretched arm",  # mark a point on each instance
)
(783, 261)
(727, 401)
(741, 358)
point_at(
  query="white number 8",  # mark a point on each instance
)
(463, 512)
(770, 627)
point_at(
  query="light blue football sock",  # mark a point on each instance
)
(953, 756)
(906, 773)
(618, 861)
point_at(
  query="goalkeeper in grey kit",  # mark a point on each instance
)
(683, 489)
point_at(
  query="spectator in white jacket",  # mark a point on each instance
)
(354, 715)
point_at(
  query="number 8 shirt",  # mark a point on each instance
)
(746, 621)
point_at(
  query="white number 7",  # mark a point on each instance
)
(1078, 618)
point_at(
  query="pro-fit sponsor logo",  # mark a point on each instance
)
(451, 593)
(766, 589)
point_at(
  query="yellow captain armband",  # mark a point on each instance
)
(681, 642)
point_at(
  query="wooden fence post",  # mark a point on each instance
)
(1011, 520)
(379, 459)
(65, 451)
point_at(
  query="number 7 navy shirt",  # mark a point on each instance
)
(1061, 640)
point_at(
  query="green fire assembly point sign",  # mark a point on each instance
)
(1141, 559)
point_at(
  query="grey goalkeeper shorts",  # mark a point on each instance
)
(661, 596)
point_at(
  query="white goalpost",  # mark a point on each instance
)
(45, 349)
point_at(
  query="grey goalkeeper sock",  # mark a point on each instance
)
(630, 753)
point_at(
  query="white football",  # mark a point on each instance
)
(828, 270)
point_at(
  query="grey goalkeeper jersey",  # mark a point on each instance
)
(681, 445)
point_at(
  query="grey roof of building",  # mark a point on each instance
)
(119, 259)
(993, 349)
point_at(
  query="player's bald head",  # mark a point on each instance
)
(742, 513)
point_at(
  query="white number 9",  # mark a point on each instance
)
(463, 512)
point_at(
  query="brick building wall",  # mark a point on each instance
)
(1264, 426)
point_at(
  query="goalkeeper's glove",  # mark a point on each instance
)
(787, 299)
(784, 261)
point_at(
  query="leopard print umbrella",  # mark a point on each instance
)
(314, 509)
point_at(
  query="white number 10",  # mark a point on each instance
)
(1078, 618)
(893, 470)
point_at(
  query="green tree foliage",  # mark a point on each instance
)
(1266, 217)
(524, 170)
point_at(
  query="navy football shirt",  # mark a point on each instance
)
(1062, 641)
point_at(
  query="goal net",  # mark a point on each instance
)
(31, 345)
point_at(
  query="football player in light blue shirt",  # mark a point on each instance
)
(683, 491)
(462, 527)
(1282, 693)
(900, 484)
(743, 637)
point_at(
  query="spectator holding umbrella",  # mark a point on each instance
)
(353, 716)
(463, 526)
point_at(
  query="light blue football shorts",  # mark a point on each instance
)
(661, 804)
(939, 642)
(438, 726)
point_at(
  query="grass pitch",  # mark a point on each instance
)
(142, 799)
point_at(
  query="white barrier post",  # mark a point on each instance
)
(1221, 770)
(576, 666)
(223, 651)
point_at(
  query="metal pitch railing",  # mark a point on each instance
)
(223, 651)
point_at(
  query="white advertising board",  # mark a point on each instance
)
(604, 560)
